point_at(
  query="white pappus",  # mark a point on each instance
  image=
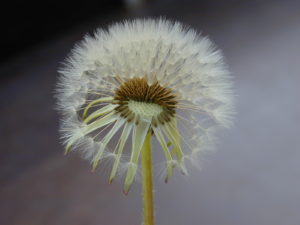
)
(141, 75)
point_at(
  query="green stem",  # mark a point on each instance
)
(147, 181)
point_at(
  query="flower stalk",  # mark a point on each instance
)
(147, 189)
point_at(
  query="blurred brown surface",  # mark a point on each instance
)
(253, 178)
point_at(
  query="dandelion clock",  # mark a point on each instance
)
(137, 81)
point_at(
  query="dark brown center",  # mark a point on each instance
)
(137, 89)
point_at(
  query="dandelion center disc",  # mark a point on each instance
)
(137, 100)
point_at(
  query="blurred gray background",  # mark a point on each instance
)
(253, 178)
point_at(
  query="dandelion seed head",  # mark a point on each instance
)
(138, 76)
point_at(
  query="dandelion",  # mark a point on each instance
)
(139, 79)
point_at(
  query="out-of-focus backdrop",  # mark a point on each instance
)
(253, 178)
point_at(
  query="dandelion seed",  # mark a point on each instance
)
(140, 76)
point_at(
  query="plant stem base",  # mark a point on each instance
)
(147, 189)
